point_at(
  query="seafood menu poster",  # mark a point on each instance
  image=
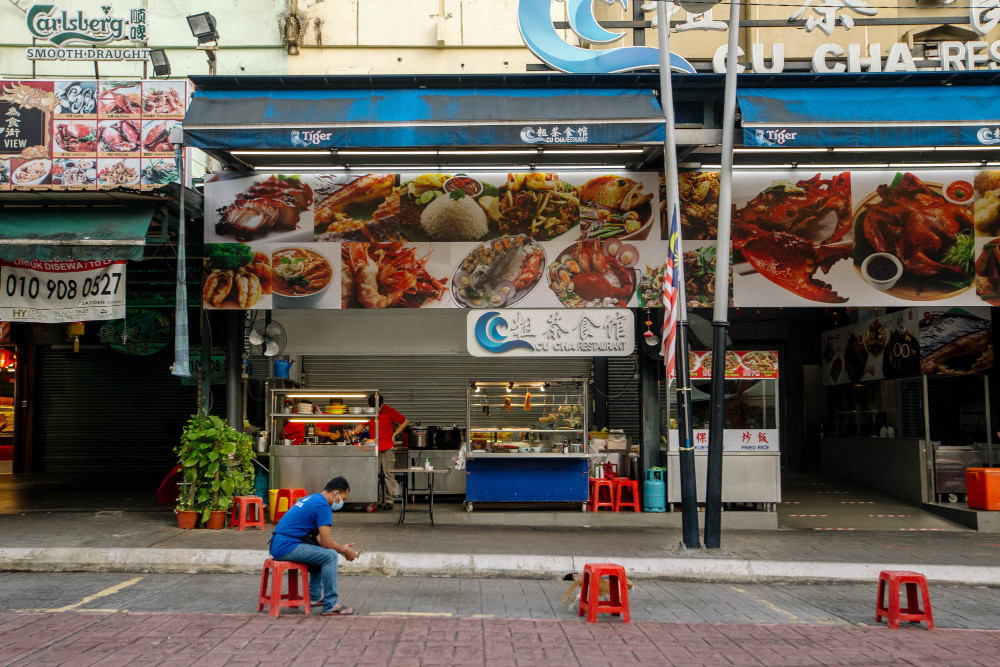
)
(739, 365)
(853, 237)
(539, 240)
(931, 341)
(89, 134)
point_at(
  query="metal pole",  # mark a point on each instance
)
(234, 359)
(689, 488)
(720, 311)
(182, 353)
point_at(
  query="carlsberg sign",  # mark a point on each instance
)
(60, 27)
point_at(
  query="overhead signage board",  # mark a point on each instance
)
(81, 135)
(433, 240)
(75, 34)
(547, 43)
(853, 238)
(550, 333)
(73, 291)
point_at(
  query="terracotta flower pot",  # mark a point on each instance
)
(216, 520)
(186, 519)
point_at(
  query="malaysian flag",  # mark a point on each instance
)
(670, 290)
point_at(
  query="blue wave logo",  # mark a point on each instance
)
(491, 339)
(539, 33)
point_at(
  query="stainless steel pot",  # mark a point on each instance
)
(260, 443)
(420, 437)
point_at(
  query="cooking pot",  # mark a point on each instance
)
(281, 367)
(448, 437)
(420, 437)
(260, 443)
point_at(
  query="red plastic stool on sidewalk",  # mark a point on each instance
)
(273, 570)
(622, 484)
(590, 587)
(289, 496)
(889, 582)
(598, 498)
(244, 506)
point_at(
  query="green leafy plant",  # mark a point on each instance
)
(218, 464)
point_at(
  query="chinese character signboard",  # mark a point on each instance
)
(551, 332)
(433, 240)
(733, 440)
(88, 134)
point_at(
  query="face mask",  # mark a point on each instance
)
(337, 505)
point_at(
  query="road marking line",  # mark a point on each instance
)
(791, 502)
(921, 529)
(833, 529)
(809, 515)
(769, 605)
(443, 614)
(857, 502)
(890, 516)
(97, 596)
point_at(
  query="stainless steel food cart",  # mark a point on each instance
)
(311, 466)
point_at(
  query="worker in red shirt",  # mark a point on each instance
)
(390, 424)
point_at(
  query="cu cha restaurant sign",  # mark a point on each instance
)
(78, 35)
(606, 332)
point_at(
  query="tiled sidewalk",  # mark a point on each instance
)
(206, 640)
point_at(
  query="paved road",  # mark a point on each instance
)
(116, 619)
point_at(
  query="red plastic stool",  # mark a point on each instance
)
(243, 506)
(889, 581)
(610, 470)
(632, 486)
(590, 591)
(273, 570)
(289, 496)
(599, 499)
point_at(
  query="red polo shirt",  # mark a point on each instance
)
(388, 417)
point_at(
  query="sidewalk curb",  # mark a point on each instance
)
(500, 566)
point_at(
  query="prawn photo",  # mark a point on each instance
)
(387, 275)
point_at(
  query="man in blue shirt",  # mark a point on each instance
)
(314, 514)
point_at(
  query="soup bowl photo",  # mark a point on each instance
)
(302, 277)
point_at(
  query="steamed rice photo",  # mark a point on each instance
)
(454, 217)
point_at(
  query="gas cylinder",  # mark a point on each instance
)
(655, 490)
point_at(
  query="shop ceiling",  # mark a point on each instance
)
(242, 120)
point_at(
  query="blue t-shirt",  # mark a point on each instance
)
(306, 515)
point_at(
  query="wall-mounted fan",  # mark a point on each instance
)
(267, 338)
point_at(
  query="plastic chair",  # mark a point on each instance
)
(590, 601)
(889, 582)
(289, 496)
(632, 486)
(244, 506)
(598, 498)
(273, 571)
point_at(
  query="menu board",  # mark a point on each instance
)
(739, 365)
(433, 240)
(89, 134)
(808, 237)
(910, 342)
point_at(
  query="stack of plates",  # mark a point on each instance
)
(335, 410)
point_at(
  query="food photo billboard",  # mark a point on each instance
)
(89, 134)
(433, 240)
(808, 237)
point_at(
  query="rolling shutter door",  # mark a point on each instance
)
(431, 389)
(623, 396)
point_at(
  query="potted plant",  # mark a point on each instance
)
(214, 457)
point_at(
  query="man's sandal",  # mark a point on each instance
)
(339, 611)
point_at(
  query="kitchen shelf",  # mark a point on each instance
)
(527, 429)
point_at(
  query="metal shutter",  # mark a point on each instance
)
(623, 396)
(431, 389)
(103, 413)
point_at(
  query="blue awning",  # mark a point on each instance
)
(284, 118)
(868, 116)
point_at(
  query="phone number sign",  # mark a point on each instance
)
(41, 291)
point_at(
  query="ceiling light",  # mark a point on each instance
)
(203, 27)
(518, 151)
(161, 66)
(302, 153)
(476, 386)
(781, 150)
(376, 153)
(591, 151)
(510, 386)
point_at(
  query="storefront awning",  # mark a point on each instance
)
(79, 233)
(420, 117)
(871, 116)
